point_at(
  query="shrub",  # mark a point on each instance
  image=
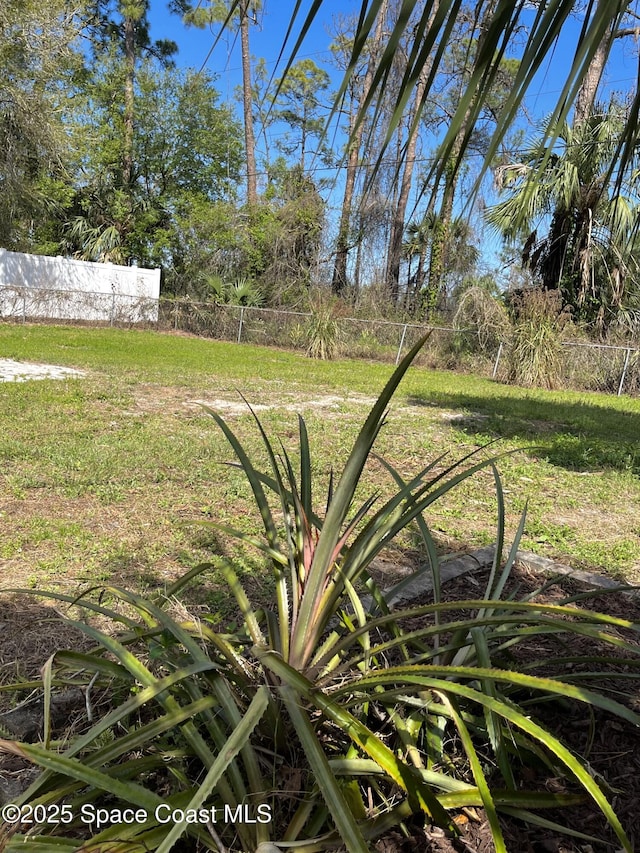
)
(328, 711)
(482, 319)
(323, 331)
(297, 336)
(242, 291)
(536, 343)
(366, 345)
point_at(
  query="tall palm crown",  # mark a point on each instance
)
(564, 188)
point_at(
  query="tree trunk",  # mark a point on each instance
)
(339, 282)
(589, 88)
(441, 233)
(394, 255)
(247, 105)
(442, 229)
(357, 268)
(129, 97)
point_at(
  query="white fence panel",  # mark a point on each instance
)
(64, 289)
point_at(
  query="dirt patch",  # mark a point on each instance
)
(239, 407)
(30, 632)
(150, 399)
(20, 371)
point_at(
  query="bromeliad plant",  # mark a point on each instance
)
(326, 721)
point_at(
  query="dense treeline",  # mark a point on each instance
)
(111, 152)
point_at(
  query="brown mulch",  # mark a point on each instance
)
(610, 745)
(30, 632)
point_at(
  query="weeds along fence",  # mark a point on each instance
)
(382, 340)
(40, 304)
(606, 368)
(586, 366)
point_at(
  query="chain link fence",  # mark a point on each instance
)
(589, 367)
(380, 340)
(601, 367)
(593, 367)
(40, 305)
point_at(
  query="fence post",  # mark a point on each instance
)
(240, 324)
(404, 333)
(624, 372)
(24, 307)
(495, 366)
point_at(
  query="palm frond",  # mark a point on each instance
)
(430, 25)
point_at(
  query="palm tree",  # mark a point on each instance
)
(589, 216)
(427, 293)
(432, 28)
(430, 31)
(416, 245)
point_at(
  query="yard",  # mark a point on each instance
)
(106, 477)
(110, 479)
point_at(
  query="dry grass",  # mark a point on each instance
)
(102, 477)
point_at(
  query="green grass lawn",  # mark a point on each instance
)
(103, 477)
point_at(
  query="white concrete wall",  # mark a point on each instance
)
(64, 289)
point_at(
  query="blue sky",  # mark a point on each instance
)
(195, 47)
(266, 38)
(195, 51)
